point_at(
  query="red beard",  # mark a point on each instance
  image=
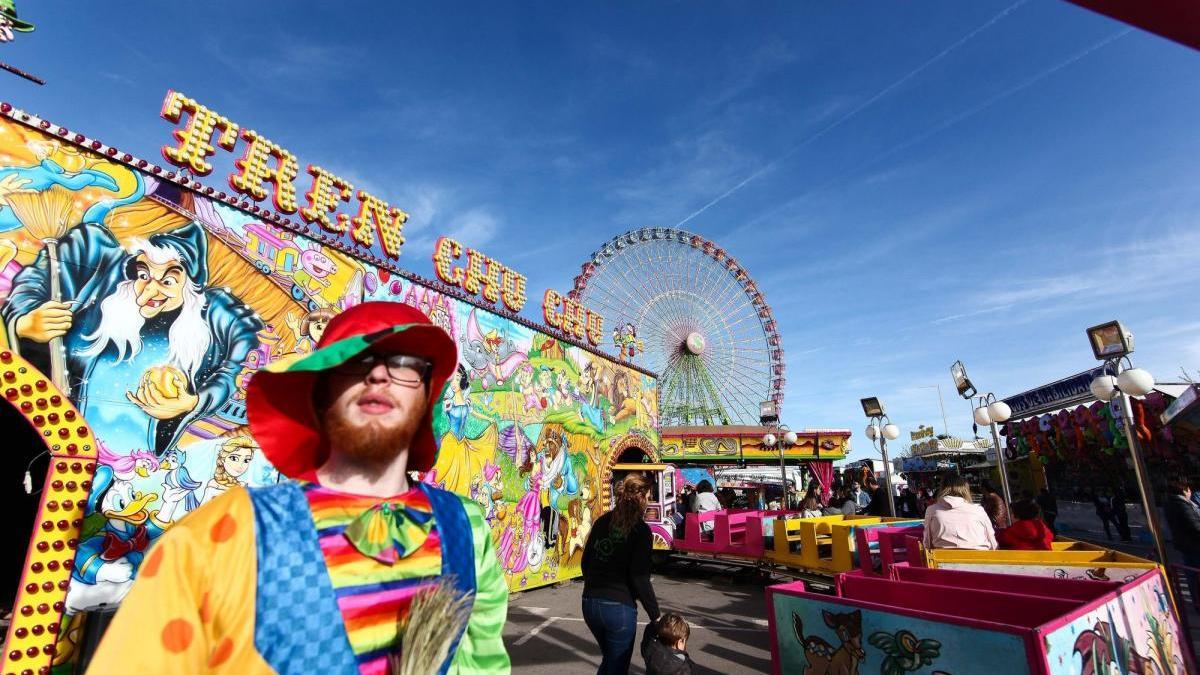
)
(370, 443)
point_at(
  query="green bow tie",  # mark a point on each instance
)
(388, 532)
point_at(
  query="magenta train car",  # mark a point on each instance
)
(736, 533)
(931, 621)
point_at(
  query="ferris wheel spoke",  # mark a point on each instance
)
(738, 374)
(610, 302)
(632, 287)
(669, 284)
(647, 279)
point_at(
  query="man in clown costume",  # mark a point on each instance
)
(315, 574)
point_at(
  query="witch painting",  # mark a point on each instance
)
(149, 346)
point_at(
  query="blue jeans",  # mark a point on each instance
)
(614, 625)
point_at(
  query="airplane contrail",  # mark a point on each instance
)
(863, 106)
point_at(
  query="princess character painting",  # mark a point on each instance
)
(233, 459)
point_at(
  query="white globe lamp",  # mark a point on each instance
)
(790, 438)
(1104, 387)
(1136, 382)
(999, 411)
(769, 440)
(982, 417)
(872, 431)
(891, 432)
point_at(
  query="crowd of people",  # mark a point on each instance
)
(952, 517)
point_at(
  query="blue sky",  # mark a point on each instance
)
(1027, 171)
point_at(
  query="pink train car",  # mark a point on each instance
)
(929, 620)
(735, 533)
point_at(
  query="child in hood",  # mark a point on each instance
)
(664, 645)
(1028, 532)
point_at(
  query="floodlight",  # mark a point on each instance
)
(961, 382)
(1110, 341)
(873, 407)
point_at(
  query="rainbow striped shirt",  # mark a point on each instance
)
(373, 597)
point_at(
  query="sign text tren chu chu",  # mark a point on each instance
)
(265, 163)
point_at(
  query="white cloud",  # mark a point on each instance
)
(474, 227)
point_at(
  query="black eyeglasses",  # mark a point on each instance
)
(403, 369)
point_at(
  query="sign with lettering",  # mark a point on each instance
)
(924, 447)
(267, 168)
(482, 275)
(572, 318)
(921, 433)
(1061, 394)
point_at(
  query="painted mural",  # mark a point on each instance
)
(1136, 632)
(1122, 574)
(150, 306)
(526, 428)
(817, 638)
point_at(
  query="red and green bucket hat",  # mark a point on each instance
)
(279, 398)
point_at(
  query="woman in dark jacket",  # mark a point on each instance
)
(616, 573)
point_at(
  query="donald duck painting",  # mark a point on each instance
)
(118, 530)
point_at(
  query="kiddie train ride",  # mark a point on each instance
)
(1076, 608)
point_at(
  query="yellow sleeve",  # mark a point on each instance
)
(481, 649)
(191, 608)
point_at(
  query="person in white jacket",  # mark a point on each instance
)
(954, 521)
(704, 501)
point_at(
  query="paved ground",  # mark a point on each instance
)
(726, 609)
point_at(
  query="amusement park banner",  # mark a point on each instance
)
(149, 303)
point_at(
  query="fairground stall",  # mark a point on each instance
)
(931, 454)
(136, 301)
(809, 459)
(1059, 435)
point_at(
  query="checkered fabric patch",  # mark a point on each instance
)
(298, 627)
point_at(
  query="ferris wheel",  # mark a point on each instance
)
(681, 306)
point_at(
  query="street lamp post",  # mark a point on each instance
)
(988, 411)
(768, 413)
(786, 440)
(1112, 344)
(881, 428)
